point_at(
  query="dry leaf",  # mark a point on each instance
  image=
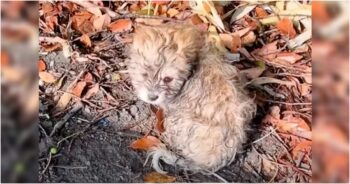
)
(319, 12)
(196, 20)
(120, 25)
(305, 89)
(249, 38)
(298, 121)
(78, 89)
(51, 22)
(88, 77)
(47, 77)
(172, 12)
(260, 12)
(51, 47)
(253, 73)
(91, 92)
(85, 39)
(289, 57)
(236, 43)
(155, 177)
(268, 51)
(226, 39)
(304, 146)
(135, 7)
(47, 7)
(99, 22)
(286, 27)
(161, 2)
(81, 22)
(159, 118)
(63, 101)
(41, 65)
(5, 59)
(145, 143)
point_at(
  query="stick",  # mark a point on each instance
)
(74, 110)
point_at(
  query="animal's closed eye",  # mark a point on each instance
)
(144, 75)
(167, 79)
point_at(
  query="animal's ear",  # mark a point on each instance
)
(189, 42)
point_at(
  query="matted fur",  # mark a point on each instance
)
(206, 107)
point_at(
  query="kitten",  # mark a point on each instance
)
(175, 67)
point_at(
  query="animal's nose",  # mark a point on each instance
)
(152, 97)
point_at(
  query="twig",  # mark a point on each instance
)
(283, 145)
(48, 163)
(74, 110)
(263, 137)
(219, 177)
(72, 135)
(289, 103)
(274, 176)
(70, 167)
(43, 130)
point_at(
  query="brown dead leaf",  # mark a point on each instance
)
(51, 47)
(305, 89)
(155, 177)
(145, 143)
(268, 51)
(63, 101)
(260, 12)
(81, 22)
(47, 7)
(286, 27)
(231, 41)
(120, 25)
(291, 124)
(70, 6)
(172, 12)
(47, 77)
(319, 12)
(304, 146)
(85, 39)
(91, 92)
(236, 43)
(161, 2)
(255, 72)
(196, 20)
(134, 7)
(249, 38)
(41, 65)
(159, 118)
(51, 22)
(5, 59)
(289, 57)
(99, 22)
(88, 77)
(78, 89)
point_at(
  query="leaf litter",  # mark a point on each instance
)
(82, 61)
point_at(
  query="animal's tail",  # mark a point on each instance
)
(161, 152)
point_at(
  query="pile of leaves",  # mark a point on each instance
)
(269, 41)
